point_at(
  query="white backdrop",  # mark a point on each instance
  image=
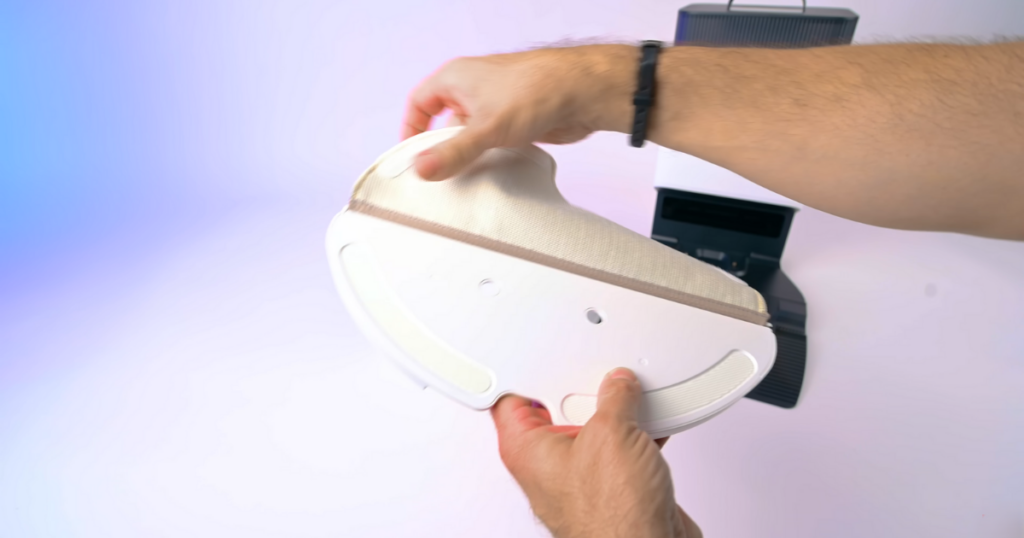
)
(186, 369)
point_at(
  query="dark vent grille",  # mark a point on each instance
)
(775, 32)
(781, 386)
(716, 25)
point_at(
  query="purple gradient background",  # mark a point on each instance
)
(174, 360)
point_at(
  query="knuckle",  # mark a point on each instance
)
(453, 64)
(522, 413)
(619, 387)
(449, 155)
(422, 89)
(458, 150)
(601, 421)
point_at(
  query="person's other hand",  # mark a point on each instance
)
(557, 95)
(606, 479)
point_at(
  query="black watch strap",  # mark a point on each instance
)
(643, 99)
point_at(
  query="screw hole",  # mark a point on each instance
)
(593, 316)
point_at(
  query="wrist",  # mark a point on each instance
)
(611, 82)
(690, 88)
(666, 522)
(606, 90)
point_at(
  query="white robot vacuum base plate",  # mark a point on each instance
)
(475, 324)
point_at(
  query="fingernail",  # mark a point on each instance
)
(622, 373)
(427, 164)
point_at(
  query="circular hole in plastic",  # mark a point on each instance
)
(593, 316)
(489, 288)
(643, 362)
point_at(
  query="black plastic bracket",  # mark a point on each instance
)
(746, 239)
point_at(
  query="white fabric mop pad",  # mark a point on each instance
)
(492, 283)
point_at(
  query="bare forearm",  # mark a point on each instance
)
(905, 136)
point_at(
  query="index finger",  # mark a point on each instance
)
(516, 415)
(526, 435)
(424, 103)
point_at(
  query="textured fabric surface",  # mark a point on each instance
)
(507, 201)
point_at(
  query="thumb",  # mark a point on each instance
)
(451, 156)
(618, 399)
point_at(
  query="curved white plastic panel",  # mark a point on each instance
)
(420, 297)
(680, 399)
(412, 337)
(697, 393)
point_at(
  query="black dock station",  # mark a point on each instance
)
(746, 238)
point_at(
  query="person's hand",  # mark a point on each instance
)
(557, 95)
(606, 479)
